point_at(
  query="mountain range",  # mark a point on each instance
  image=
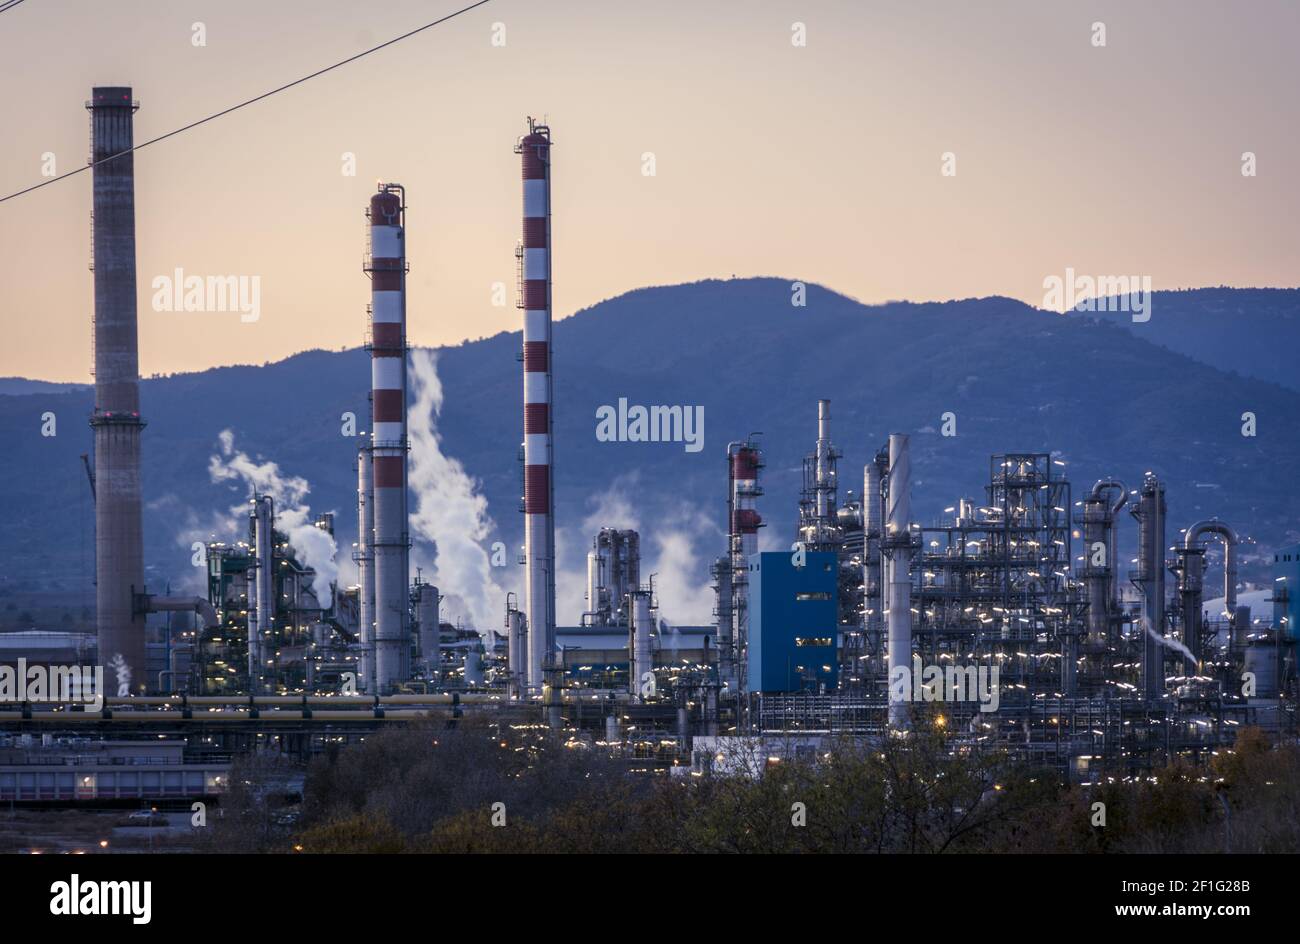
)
(1106, 396)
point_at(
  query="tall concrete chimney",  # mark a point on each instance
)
(119, 547)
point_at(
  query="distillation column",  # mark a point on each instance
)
(897, 543)
(1150, 578)
(261, 592)
(640, 644)
(429, 618)
(516, 649)
(1100, 558)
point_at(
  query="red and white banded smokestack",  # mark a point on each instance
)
(744, 461)
(390, 550)
(539, 489)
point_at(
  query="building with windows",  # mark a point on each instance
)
(793, 622)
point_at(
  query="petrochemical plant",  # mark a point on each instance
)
(1009, 621)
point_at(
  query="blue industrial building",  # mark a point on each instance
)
(1286, 592)
(793, 622)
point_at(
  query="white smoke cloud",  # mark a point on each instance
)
(1168, 641)
(313, 547)
(449, 510)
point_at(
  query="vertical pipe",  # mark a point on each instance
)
(386, 266)
(1192, 582)
(365, 569)
(261, 612)
(823, 465)
(596, 583)
(722, 583)
(116, 423)
(539, 492)
(871, 533)
(898, 544)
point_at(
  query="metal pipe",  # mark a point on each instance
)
(722, 575)
(197, 605)
(1194, 534)
(365, 568)
(261, 590)
(824, 468)
(871, 533)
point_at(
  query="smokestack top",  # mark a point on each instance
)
(386, 207)
(535, 148)
(111, 96)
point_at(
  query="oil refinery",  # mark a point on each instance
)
(1008, 619)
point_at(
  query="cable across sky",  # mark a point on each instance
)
(243, 104)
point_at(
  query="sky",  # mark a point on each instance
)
(821, 162)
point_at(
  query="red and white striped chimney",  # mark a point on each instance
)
(390, 549)
(539, 489)
(744, 461)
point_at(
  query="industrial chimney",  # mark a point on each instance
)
(390, 550)
(119, 554)
(539, 489)
(743, 521)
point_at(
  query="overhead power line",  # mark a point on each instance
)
(243, 104)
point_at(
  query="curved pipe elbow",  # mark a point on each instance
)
(1105, 485)
(1221, 528)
